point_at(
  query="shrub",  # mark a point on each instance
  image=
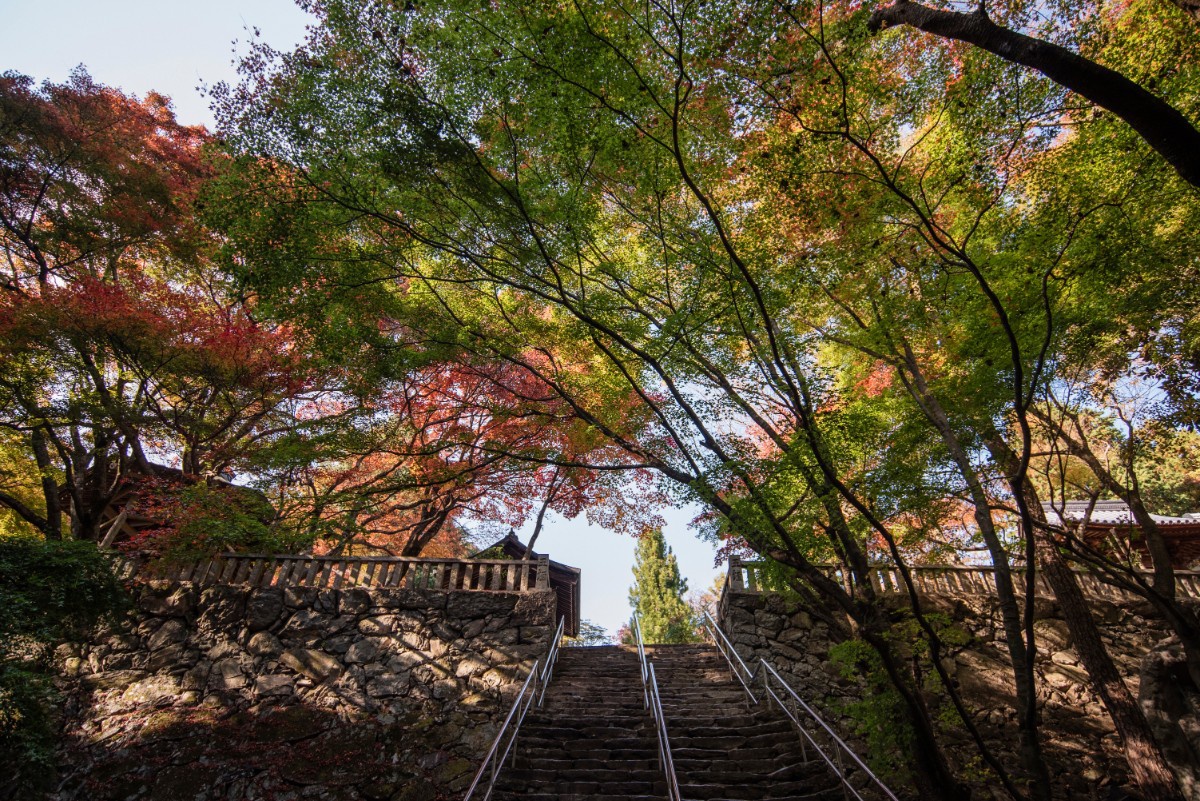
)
(49, 592)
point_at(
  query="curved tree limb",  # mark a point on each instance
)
(1162, 126)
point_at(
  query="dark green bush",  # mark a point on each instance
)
(50, 592)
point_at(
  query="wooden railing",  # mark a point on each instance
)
(325, 572)
(748, 577)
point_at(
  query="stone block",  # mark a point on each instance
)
(378, 625)
(536, 608)
(222, 607)
(388, 685)
(362, 651)
(1053, 633)
(263, 608)
(1061, 676)
(317, 665)
(122, 643)
(471, 666)
(226, 675)
(405, 660)
(339, 644)
(326, 601)
(299, 597)
(473, 629)
(113, 679)
(405, 598)
(274, 686)
(769, 622)
(264, 643)
(413, 641)
(463, 606)
(497, 676)
(354, 601)
(1067, 658)
(197, 677)
(151, 690)
(167, 600)
(170, 632)
(168, 657)
(308, 623)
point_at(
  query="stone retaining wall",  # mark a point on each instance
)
(1081, 745)
(229, 693)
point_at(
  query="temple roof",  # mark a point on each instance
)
(1109, 513)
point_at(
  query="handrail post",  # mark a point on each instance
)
(835, 763)
(654, 704)
(533, 689)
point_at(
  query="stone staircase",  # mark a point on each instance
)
(724, 748)
(593, 739)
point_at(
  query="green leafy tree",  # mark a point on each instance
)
(836, 270)
(657, 593)
(589, 634)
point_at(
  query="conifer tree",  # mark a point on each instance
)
(657, 592)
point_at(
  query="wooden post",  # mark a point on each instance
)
(114, 529)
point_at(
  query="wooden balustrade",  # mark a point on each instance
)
(748, 577)
(325, 572)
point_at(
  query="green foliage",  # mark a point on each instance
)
(49, 592)
(1169, 472)
(657, 593)
(52, 591)
(202, 520)
(27, 737)
(879, 715)
(589, 634)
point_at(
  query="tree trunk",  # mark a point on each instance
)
(1151, 773)
(41, 453)
(1021, 655)
(1189, 7)
(1150, 770)
(1162, 126)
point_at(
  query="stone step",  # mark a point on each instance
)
(540, 785)
(546, 763)
(615, 773)
(775, 790)
(700, 755)
(593, 737)
(504, 795)
(741, 726)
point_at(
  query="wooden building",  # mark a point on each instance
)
(1111, 519)
(564, 579)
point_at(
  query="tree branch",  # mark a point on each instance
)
(1162, 126)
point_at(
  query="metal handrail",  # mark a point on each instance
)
(768, 673)
(654, 703)
(533, 690)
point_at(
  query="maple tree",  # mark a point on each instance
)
(835, 270)
(125, 345)
(485, 443)
(91, 182)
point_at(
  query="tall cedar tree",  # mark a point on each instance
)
(657, 592)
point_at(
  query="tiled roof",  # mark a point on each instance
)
(1109, 513)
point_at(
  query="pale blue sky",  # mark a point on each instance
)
(172, 47)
